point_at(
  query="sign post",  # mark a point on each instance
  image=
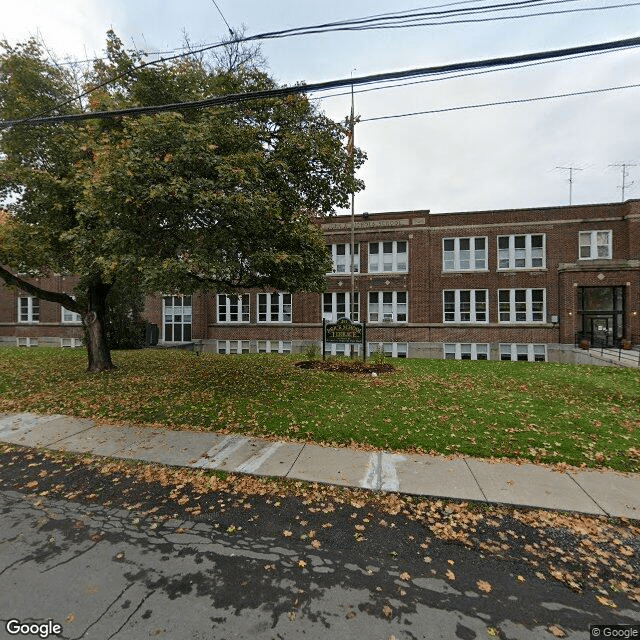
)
(344, 332)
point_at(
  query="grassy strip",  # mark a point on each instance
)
(542, 412)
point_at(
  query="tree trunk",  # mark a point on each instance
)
(98, 350)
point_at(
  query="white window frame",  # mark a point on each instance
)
(274, 346)
(515, 307)
(70, 343)
(335, 349)
(590, 240)
(522, 257)
(183, 318)
(26, 342)
(233, 346)
(386, 308)
(390, 349)
(395, 262)
(233, 309)
(457, 350)
(337, 304)
(32, 307)
(459, 312)
(274, 308)
(463, 259)
(342, 261)
(531, 352)
(69, 317)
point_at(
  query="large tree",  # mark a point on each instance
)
(221, 198)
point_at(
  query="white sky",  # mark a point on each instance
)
(491, 158)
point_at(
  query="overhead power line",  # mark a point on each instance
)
(332, 84)
(391, 20)
(501, 103)
(406, 19)
(225, 20)
(455, 76)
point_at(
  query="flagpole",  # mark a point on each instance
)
(353, 209)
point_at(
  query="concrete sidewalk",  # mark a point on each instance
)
(584, 491)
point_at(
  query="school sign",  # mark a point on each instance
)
(344, 332)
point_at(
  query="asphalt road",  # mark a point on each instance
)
(113, 550)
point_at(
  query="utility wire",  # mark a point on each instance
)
(502, 102)
(395, 85)
(225, 20)
(382, 21)
(332, 84)
(359, 25)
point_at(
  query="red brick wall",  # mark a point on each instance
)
(425, 280)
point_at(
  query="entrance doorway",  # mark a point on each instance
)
(602, 331)
(601, 311)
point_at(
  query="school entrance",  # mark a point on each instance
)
(601, 315)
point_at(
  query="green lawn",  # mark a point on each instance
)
(545, 412)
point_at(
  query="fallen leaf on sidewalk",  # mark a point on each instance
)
(557, 631)
(483, 585)
(607, 602)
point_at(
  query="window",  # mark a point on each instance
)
(274, 307)
(523, 352)
(28, 309)
(389, 349)
(465, 305)
(388, 256)
(466, 351)
(70, 317)
(334, 349)
(177, 315)
(521, 252)
(388, 306)
(27, 342)
(521, 305)
(274, 346)
(233, 308)
(595, 245)
(337, 305)
(233, 346)
(341, 256)
(70, 343)
(464, 254)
